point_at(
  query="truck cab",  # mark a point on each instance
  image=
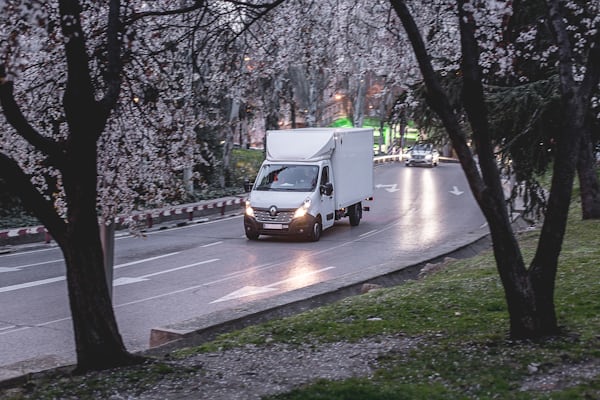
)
(296, 199)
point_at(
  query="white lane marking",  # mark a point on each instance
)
(184, 227)
(8, 330)
(24, 328)
(31, 284)
(127, 280)
(62, 278)
(367, 233)
(145, 260)
(52, 322)
(212, 244)
(28, 252)
(8, 327)
(19, 267)
(252, 290)
(178, 268)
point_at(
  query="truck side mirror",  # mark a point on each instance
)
(326, 189)
(247, 185)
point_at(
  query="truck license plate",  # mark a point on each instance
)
(273, 226)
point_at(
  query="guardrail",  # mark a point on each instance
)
(148, 217)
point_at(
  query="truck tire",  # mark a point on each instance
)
(315, 232)
(355, 214)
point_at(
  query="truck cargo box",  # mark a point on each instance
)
(349, 149)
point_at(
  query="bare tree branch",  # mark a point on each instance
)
(17, 120)
(32, 199)
(265, 8)
(113, 73)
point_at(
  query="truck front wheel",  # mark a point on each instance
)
(251, 235)
(355, 214)
(315, 232)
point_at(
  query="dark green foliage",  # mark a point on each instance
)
(12, 213)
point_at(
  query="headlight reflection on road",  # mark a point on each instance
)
(302, 273)
(420, 207)
(430, 208)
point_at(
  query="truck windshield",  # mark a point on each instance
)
(287, 177)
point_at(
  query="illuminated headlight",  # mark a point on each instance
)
(428, 157)
(303, 209)
(249, 209)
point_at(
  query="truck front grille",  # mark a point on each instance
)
(282, 217)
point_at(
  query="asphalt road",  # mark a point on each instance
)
(181, 273)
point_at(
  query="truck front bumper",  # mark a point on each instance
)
(296, 227)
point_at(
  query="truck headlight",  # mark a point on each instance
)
(249, 209)
(303, 209)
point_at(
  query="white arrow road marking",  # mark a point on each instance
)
(389, 188)
(252, 290)
(244, 292)
(455, 191)
(126, 280)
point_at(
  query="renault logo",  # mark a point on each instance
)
(273, 211)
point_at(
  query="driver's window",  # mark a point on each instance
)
(325, 176)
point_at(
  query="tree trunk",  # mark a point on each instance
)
(98, 342)
(588, 179)
(529, 294)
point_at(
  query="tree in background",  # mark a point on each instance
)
(529, 291)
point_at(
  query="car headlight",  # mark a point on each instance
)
(249, 209)
(428, 157)
(303, 209)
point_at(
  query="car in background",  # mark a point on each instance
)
(422, 154)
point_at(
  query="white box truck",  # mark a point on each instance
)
(311, 177)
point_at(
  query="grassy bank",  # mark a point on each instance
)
(459, 316)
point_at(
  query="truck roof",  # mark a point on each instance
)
(304, 144)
